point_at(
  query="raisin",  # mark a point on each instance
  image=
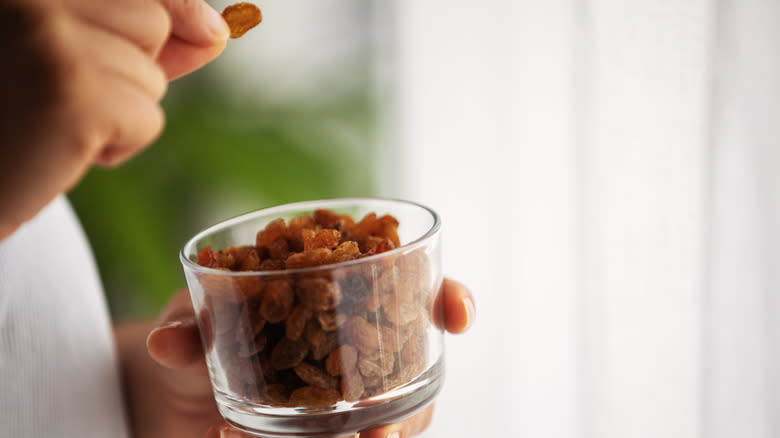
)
(250, 324)
(324, 348)
(318, 294)
(267, 236)
(389, 340)
(279, 249)
(325, 238)
(362, 334)
(376, 365)
(306, 259)
(314, 397)
(207, 257)
(288, 354)
(273, 265)
(225, 314)
(413, 356)
(401, 311)
(278, 394)
(314, 376)
(278, 300)
(251, 346)
(331, 319)
(375, 301)
(328, 219)
(352, 387)
(341, 360)
(295, 228)
(296, 322)
(247, 287)
(377, 245)
(241, 17)
(313, 333)
(345, 252)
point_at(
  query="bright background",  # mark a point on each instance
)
(608, 173)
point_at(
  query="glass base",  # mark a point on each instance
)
(339, 420)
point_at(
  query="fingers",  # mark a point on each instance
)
(224, 430)
(180, 57)
(116, 55)
(405, 429)
(181, 35)
(175, 343)
(132, 125)
(195, 22)
(199, 35)
(146, 23)
(454, 308)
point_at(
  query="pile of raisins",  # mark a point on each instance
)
(312, 338)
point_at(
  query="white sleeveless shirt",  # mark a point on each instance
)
(58, 365)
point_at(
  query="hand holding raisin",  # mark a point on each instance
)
(81, 84)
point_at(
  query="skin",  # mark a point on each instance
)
(167, 384)
(73, 62)
(81, 87)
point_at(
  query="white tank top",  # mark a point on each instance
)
(58, 367)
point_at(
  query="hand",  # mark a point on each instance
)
(176, 399)
(81, 84)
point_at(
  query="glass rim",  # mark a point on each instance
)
(227, 223)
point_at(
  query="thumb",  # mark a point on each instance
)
(198, 35)
(195, 22)
(175, 342)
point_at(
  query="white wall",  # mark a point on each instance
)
(607, 175)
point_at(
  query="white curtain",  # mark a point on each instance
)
(608, 173)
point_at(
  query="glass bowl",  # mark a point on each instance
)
(327, 350)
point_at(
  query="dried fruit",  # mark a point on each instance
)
(341, 360)
(241, 17)
(296, 322)
(331, 320)
(310, 339)
(324, 238)
(306, 259)
(287, 354)
(278, 300)
(314, 376)
(314, 397)
(376, 365)
(328, 344)
(362, 334)
(318, 294)
(352, 387)
(251, 346)
(267, 236)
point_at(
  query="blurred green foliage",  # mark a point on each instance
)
(216, 159)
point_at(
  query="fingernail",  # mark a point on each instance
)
(168, 325)
(215, 21)
(394, 435)
(471, 311)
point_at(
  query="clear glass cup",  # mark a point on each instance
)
(328, 350)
